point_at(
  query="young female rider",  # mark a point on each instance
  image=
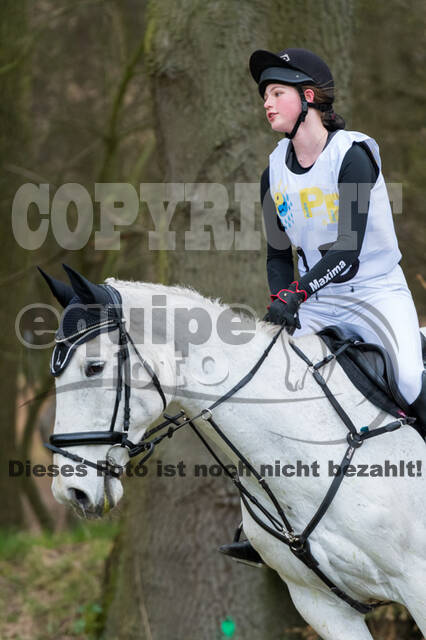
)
(324, 193)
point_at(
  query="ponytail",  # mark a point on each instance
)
(332, 121)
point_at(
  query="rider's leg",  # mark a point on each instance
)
(331, 618)
(381, 311)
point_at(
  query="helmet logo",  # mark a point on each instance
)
(285, 57)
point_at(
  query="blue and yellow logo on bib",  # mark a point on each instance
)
(284, 209)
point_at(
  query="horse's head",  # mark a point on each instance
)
(107, 394)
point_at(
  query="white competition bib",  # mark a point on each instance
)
(308, 207)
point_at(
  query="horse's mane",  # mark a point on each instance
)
(182, 291)
(187, 292)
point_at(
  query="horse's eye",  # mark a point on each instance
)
(93, 368)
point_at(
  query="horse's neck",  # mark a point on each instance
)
(281, 400)
(280, 415)
(281, 412)
(263, 411)
(212, 369)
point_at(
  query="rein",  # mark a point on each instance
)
(280, 526)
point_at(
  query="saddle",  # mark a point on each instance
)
(369, 368)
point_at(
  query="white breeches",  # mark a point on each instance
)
(381, 310)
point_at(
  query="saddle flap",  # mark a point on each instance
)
(368, 366)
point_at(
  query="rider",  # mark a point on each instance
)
(324, 193)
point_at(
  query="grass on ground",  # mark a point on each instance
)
(50, 585)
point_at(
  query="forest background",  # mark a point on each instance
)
(136, 92)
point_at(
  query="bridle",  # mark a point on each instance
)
(115, 438)
(278, 527)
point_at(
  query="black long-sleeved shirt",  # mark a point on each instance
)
(358, 167)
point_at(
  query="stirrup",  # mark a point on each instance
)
(242, 552)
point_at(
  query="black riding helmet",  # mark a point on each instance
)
(295, 67)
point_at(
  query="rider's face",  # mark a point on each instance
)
(283, 106)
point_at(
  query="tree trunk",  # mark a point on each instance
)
(165, 574)
(14, 78)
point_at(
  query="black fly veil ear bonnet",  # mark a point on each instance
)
(89, 309)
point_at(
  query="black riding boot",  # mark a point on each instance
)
(242, 551)
(419, 410)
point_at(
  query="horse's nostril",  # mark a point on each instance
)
(80, 497)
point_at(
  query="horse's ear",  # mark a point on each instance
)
(62, 292)
(88, 292)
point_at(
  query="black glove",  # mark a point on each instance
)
(285, 306)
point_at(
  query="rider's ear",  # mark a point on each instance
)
(88, 292)
(309, 95)
(62, 292)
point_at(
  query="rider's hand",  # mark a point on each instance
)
(279, 313)
(285, 306)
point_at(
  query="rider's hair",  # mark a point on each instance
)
(331, 121)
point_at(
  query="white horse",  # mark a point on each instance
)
(372, 540)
